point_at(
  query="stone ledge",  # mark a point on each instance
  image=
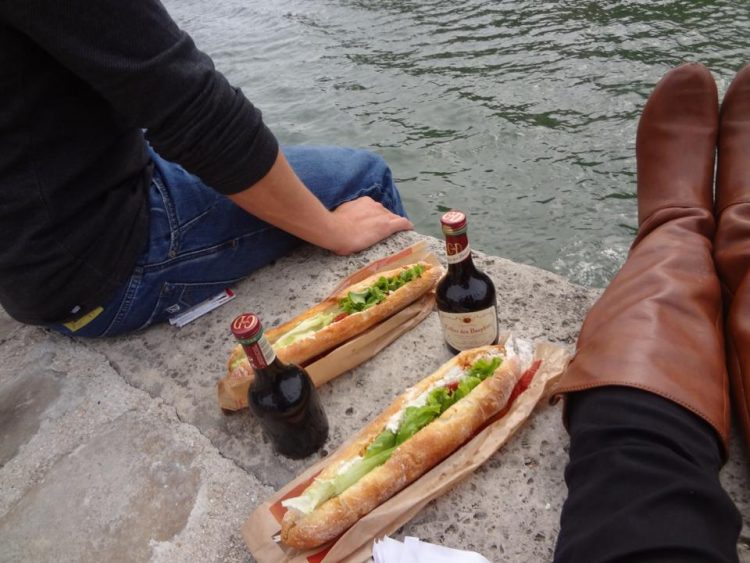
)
(117, 450)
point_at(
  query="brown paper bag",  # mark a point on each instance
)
(232, 390)
(356, 543)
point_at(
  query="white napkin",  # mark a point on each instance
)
(388, 550)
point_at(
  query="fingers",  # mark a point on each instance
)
(399, 223)
(364, 222)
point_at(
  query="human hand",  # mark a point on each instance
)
(362, 222)
(282, 200)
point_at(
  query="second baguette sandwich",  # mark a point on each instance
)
(421, 427)
(345, 315)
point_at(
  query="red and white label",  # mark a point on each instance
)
(469, 330)
(457, 248)
(260, 354)
(456, 252)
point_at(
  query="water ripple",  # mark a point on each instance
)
(521, 112)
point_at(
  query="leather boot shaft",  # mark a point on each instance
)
(733, 184)
(658, 326)
(732, 241)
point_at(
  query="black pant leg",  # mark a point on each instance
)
(643, 483)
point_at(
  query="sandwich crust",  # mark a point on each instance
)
(340, 331)
(410, 460)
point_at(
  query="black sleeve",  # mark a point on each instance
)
(134, 55)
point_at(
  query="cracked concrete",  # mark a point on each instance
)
(116, 449)
(100, 471)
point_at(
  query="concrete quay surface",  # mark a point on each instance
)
(116, 450)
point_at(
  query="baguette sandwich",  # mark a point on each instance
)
(344, 315)
(421, 427)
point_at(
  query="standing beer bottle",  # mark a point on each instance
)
(465, 295)
(281, 396)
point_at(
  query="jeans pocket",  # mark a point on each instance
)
(176, 298)
(110, 319)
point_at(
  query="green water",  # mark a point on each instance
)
(521, 113)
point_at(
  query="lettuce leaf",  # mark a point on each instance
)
(384, 441)
(466, 385)
(484, 367)
(357, 301)
(305, 328)
(315, 495)
(359, 469)
(324, 489)
(411, 273)
(236, 362)
(442, 398)
(416, 418)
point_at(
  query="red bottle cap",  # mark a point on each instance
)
(246, 326)
(454, 222)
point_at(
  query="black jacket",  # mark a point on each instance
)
(79, 82)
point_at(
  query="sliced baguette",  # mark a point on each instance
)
(340, 331)
(411, 459)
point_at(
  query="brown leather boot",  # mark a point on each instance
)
(732, 242)
(658, 326)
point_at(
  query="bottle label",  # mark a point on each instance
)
(259, 352)
(456, 252)
(457, 247)
(469, 330)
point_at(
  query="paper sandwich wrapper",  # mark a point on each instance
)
(232, 391)
(261, 530)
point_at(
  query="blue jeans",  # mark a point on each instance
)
(200, 242)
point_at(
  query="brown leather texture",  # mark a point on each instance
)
(732, 241)
(658, 326)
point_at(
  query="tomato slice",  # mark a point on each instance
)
(525, 381)
(520, 387)
(340, 316)
(452, 386)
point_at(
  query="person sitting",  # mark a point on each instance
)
(135, 181)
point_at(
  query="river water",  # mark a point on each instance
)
(521, 113)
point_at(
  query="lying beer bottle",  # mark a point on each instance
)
(281, 396)
(465, 295)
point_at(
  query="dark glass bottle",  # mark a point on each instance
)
(281, 396)
(465, 295)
